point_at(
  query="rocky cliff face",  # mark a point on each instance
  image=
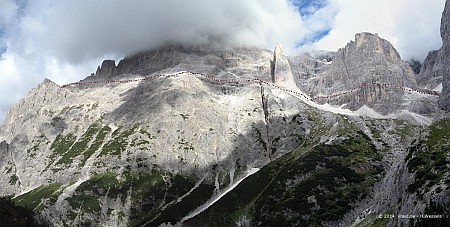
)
(369, 59)
(431, 72)
(281, 70)
(434, 73)
(444, 101)
(150, 151)
(107, 70)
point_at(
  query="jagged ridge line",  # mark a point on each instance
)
(248, 81)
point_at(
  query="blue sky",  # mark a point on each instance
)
(307, 10)
(66, 40)
(2, 40)
(2, 45)
(313, 37)
(309, 7)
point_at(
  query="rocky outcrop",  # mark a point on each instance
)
(431, 72)
(308, 66)
(148, 62)
(367, 60)
(435, 71)
(142, 63)
(444, 101)
(281, 70)
(107, 69)
(415, 65)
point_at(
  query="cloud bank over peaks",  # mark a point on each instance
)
(412, 26)
(75, 30)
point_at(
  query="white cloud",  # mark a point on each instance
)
(75, 30)
(12, 85)
(7, 11)
(412, 26)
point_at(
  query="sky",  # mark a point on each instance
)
(66, 40)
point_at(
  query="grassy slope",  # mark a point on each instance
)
(429, 160)
(154, 200)
(311, 184)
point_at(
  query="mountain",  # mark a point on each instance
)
(430, 75)
(202, 136)
(434, 73)
(445, 34)
(367, 60)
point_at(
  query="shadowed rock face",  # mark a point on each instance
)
(107, 69)
(444, 101)
(143, 63)
(435, 70)
(430, 75)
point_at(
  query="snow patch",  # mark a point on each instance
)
(67, 192)
(216, 198)
(368, 112)
(438, 88)
(192, 189)
(26, 191)
(410, 116)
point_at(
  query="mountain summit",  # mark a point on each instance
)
(367, 60)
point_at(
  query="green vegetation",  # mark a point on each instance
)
(86, 203)
(375, 132)
(99, 183)
(13, 179)
(259, 136)
(345, 127)
(66, 109)
(434, 208)
(148, 193)
(36, 198)
(68, 147)
(403, 128)
(143, 143)
(174, 210)
(14, 215)
(9, 170)
(365, 150)
(314, 183)
(428, 158)
(118, 142)
(87, 195)
(62, 144)
(36, 143)
(78, 147)
(186, 146)
(184, 116)
(95, 144)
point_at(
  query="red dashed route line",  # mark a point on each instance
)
(248, 81)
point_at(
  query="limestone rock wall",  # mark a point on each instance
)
(368, 59)
(281, 70)
(431, 72)
(444, 101)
